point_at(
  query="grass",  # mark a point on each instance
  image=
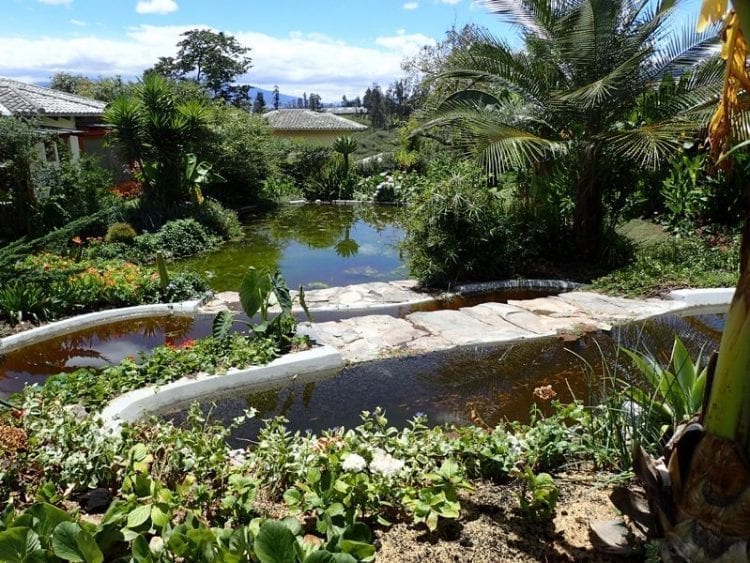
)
(374, 141)
(662, 264)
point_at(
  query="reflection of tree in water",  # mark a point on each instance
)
(52, 356)
(347, 247)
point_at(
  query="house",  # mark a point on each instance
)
(77, 120)
(311, 126)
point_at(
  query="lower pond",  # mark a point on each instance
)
(482, 385)
(313, 245)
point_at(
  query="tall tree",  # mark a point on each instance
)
(276, 97)
(574, 90)
(213, 60)
(313, 102)
(374, 102)
(259, 105)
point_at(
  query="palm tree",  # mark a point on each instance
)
(345, 146)
(155, 131)
(577, 88)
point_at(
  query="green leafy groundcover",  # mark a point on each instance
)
(166, 364)
(180, 493)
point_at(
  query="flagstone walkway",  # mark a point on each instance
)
(377, 334)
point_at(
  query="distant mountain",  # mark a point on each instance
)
(284, 99)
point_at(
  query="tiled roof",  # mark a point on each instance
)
(306, 120)
(19, 98)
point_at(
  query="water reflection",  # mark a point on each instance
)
(313, 245)
(96, 347)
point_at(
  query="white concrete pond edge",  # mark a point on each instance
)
(140, 403)
(89, 320)
(309, 364)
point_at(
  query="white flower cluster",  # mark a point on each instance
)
(354, 463)
(384, 463)
(237, 457)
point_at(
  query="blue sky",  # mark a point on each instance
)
(331, 47)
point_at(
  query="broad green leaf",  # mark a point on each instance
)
(139, 516)
(47, 518)
(18, 544)
(355, 540)
(275, 544)
(140, 550)
(64, 543)
(71, 543)
(222, 324)
(280, 289)
(254, 290)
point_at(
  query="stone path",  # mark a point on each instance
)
(376, 334)
(366, 297)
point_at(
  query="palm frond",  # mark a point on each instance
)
(684, 49)
(535, 17)
(650, 144)
(613, 84)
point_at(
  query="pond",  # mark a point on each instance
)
(481, 385)
(313, 245)
(96, 347)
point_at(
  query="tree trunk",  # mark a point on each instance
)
(588, 215)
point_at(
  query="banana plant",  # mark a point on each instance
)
(697, 495)
(259, 290)
(199, 174)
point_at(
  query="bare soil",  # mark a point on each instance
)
(491, 528)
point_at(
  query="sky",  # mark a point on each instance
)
(330, 47)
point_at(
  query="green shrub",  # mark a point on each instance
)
(177, 239)
(458, 229)
(218, 220)
(121, 232)
(70, 190)
(239, 148)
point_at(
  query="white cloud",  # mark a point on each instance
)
(79, 23)
(298, 63)
(56, 2)
(451, 2)
(411, 5)
(156, 6)
(407, 44)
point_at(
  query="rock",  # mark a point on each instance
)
(96, 501)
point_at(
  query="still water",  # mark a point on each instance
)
(312, 245)
(481, 385)
(95, 347)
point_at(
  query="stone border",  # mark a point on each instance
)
(540, 285)
(136, 404)
(88, 320)
(702, 298)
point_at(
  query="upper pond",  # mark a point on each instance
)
(312, 245)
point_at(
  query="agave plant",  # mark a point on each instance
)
(673, 396)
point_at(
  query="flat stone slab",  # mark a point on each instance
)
(460, 328)
(367, 338)
(358, 297)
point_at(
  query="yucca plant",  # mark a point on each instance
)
(345, 146)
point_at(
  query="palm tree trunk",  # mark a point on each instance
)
(588, 215)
